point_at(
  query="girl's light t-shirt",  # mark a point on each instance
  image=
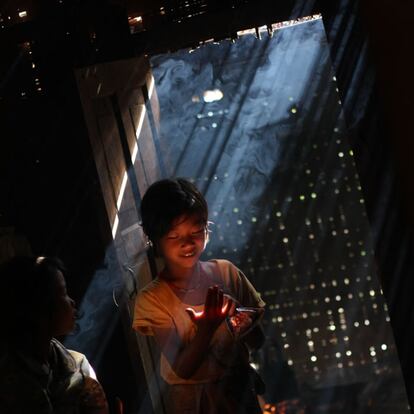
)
(157, 306)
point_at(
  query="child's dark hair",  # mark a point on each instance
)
(166, 200)
(27, 292)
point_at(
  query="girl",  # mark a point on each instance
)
(194, 308)
(38, 374)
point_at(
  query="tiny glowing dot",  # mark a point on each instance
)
(293, 110)
(384, 347)
(313, 358)
(301, 197)
(290, 362)
(313, 195)
(278, 214)
(351, 152)
(372, 292)
(210, 113)
(235, 210)
(366, 322)
(340, 154)
(254, 219)
(214, 125)
(332, 327)
(356, 324)
(285, 240)
(348, 353)
(239, 222)
(338, 355)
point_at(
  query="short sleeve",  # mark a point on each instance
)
(239, 285)
(149, 314)
(247, 293)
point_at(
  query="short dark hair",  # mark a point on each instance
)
(165, 201)
(27, 287)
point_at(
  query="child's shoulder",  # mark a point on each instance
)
(154, 288)
(223, 264)
(223, 269)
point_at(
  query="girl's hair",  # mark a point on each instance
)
(165, 201)
(27, 292)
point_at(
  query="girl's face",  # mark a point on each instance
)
(182, 246)
(64, 311)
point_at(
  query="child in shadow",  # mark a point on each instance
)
(38, 374)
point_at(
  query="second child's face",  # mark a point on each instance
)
(64, 312)
(182, 246)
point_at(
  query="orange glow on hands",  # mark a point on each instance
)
(199, 314)
(196, 314)
(225, 308)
